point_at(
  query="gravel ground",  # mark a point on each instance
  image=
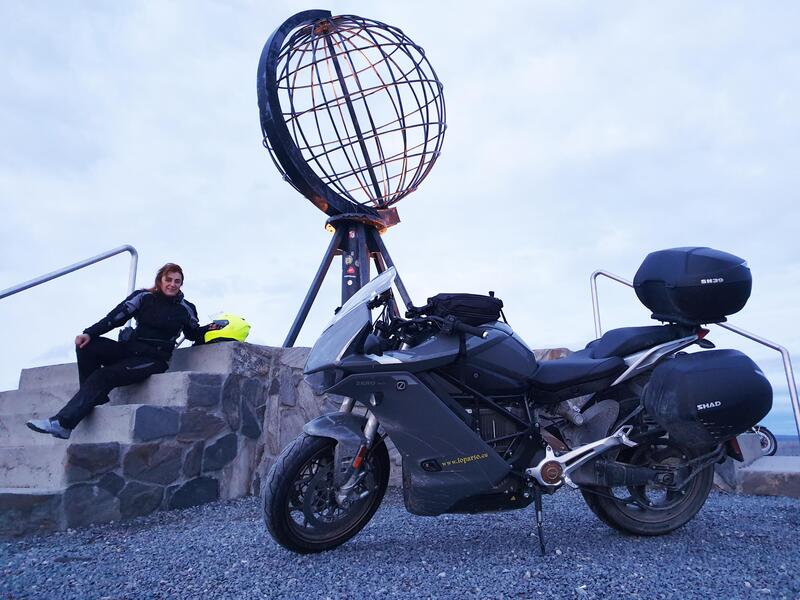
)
(737, 547)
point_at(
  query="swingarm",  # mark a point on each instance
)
(552, 470)
(575, 469)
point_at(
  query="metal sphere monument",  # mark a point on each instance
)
(353, 116)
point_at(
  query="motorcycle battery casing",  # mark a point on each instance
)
(693, 285)
(705, 398)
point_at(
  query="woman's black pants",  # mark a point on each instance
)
(104, 364)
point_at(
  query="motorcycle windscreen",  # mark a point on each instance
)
(370, 291)
(338, 338)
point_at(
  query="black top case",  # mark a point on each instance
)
(693, 286)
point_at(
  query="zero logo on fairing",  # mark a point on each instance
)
(709, 405)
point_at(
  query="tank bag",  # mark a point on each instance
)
(472, 309)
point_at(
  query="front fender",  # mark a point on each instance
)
(348, 431)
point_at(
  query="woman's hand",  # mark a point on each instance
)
(82, 340)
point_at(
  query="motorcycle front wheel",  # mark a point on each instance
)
(299, 498)
(651, 509)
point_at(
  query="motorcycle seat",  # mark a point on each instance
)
(570, 374)
(629, 340)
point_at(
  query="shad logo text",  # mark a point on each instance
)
(709, 405)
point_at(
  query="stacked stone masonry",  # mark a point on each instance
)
(203, 445)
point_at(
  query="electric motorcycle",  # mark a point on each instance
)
(635, 421)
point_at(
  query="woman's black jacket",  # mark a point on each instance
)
(159, 321)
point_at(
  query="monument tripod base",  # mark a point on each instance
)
(357, 241)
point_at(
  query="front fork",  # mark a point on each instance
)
(357, 472)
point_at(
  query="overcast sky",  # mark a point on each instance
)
(580, 136)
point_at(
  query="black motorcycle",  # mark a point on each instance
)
(634, 421)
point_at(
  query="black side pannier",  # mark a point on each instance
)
(693, 286)
(472, 309)
(705, 398)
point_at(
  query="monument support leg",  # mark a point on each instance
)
(378, 243)
(355, 259)
(333, 248)
(349, 275)
(363, 256)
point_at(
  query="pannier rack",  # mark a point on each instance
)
(787, 361)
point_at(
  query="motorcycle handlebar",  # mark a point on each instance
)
(476, 331)
(451, 325)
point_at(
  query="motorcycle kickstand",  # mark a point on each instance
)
(537, 498)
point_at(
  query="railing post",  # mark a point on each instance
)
(598, 329)
(20, 287)
(787, 366)
(132, 269)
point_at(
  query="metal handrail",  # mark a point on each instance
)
(79, 265)
(787, 361)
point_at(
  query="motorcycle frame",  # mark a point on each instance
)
(527, 428)
(647, 359)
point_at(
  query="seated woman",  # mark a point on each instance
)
(161, 314)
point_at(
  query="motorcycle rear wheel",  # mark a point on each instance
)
(298, 498)
(652, 509)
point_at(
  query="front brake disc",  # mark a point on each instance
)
(319, 502)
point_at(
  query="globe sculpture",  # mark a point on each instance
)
(353, 116)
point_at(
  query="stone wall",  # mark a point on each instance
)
(180, 439)
(180, 457)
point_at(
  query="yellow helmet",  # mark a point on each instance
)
(232, 328)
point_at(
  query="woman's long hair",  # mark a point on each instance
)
(167, 268)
